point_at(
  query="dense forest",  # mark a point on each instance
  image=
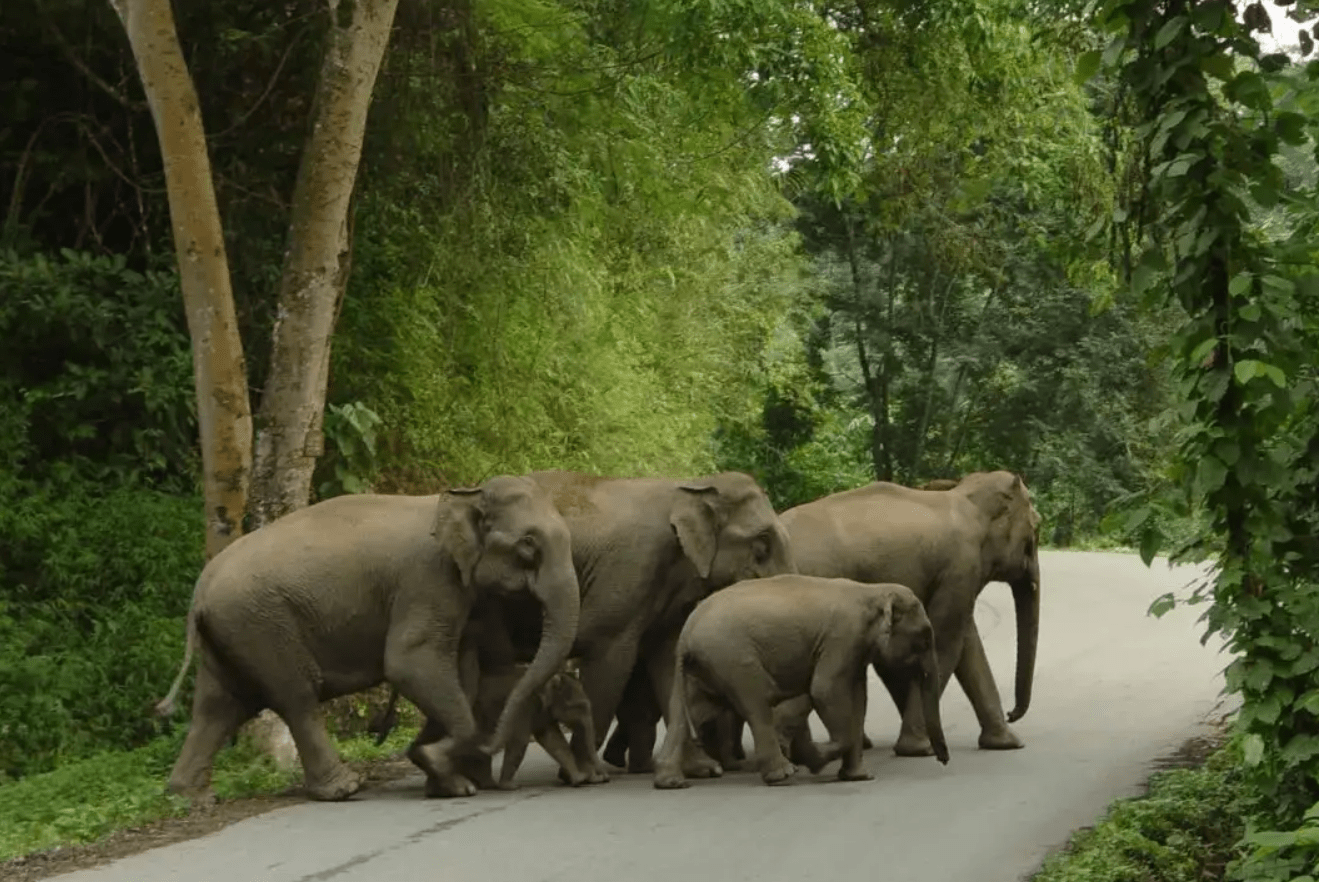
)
(824, 243)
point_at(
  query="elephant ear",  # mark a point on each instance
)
(458, 527)
(880, 627)
(696, 522)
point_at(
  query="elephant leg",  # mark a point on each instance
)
(660, 665)
(792, 721)
(427, 675)
(328, 778)
(632, 743)
(615, 752)
(841, 703)
(217, 715)
(695, 710)
(551, 738)
(977, 681)
(515, 749)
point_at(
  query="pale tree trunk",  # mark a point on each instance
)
(223, 412)
(289, 436)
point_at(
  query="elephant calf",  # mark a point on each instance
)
(800, 643)
(561, 701)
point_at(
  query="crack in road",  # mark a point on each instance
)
(413, 838)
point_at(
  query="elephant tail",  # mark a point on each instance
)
(165, 707)
(384, 721)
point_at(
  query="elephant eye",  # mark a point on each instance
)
(527, 550)
(761, 547)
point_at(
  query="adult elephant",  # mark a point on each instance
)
(646, 551)
(946, 545)
(355, 590)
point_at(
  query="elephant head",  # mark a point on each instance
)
(505, 537)
(728, 530)
(903, 637)
(1013, 557)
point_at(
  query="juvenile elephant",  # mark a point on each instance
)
(560, 701)
(337, 597)
(946, 545)
(799, 643)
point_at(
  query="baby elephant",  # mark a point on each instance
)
(560, 701)
(774, 649)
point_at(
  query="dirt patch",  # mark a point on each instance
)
(198, 822)
(1194, 751)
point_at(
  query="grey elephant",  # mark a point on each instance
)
(798, 643)
(342, 595)
(560, 702)
(646, 551)
(946, 545)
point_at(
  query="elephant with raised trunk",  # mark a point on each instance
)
(772, 650)
(946, 545)
(356, 590)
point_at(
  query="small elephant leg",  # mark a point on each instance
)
(840, 700)
(604, 678)
(216, 717)
(615, 752)
(673, 761)
(551, 738)
(660, 665)
(515, 749)
(977, 681)
(792, 720)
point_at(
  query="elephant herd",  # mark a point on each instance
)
(509, 610)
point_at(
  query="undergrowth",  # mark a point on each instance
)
(85, 801)
(1186, 828)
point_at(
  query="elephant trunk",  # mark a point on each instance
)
(931, 687)
(1026, 595)
(560, 597)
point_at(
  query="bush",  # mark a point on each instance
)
(94, 587)
(1184, 830)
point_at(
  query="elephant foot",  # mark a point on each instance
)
(448, 787)
(866, 743)
(200, 797)
(858, 774)
(340, 784)
(641, 765)
(670, 780)
(702, 767)
(914, 745)
(597, 776)
(737, 765)
(778, 773)
(506, 785)
(1004, 739)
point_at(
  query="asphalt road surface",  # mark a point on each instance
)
(1114, 690)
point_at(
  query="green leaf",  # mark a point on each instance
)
(1162, 604)
(1087, 64)
(1252, 749)
(1151, 540)
(1301, 748)
(1240, 283)
(1171, 28)
(1209, 475)
(1259, 673)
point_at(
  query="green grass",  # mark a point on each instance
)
(85, 801)
(1185, 829)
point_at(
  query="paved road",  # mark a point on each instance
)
(1114, 690)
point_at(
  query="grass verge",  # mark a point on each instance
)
(1186, 827)
(114, 804)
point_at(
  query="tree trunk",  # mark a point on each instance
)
(219, 373)
(315, 276)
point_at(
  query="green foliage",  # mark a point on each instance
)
(597, 291)
(84, 801)
(1184, 830)
(1211, 113)
(96, 371)
(94, 586)
(350, 456)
